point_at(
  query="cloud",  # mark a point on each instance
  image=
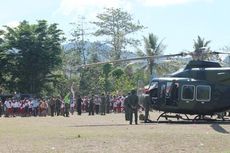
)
(87, 7)
(83, 7)
(151, 3)
(12, 24)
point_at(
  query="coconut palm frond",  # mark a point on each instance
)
(140, 53)
(160, 47)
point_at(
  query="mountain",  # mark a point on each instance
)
(103, 50)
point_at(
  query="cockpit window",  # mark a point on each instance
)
(153, 85)
(153, 90)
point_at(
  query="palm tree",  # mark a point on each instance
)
(201, 49)
(153, 47)
(199, 43)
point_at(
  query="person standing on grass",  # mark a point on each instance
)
(107, 103)
(79, 101)
(58, 105)
(35, 106)
(1, 108)
(91, 105)
(8, 108)
(97, 104)
(72, 105)
(67, 104)
(103, 101)
(126, 107)
(52, 106)
(62, 110)
(133, 104)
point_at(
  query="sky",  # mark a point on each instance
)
(178, 22)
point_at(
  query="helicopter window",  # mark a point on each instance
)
(188, 92)
(203, 93)
(153, 85)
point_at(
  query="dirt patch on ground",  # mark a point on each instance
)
(110, 133)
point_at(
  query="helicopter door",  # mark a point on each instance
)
(162, 92)
(172, 93)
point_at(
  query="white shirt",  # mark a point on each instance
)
(8, 105)
(14, 104)
(72, 105)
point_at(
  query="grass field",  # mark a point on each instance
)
(110, 133)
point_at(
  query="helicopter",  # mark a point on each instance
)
(202, 88)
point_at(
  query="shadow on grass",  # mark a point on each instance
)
(103, 125)
(218, 128)
(227, 122)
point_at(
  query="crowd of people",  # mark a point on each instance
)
(94, 104)
(57, 106)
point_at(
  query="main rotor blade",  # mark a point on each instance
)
(214, 52)
(133, 59)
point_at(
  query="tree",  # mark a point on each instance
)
(117, 73)
(201, 49)
(116, 25)
(153, 47)
(36, 49)
(200, 42)
(90, 77)
(106, 70)
(5, 63)
(123, 85)
(71, 60)
(2, 55)
(78, 38)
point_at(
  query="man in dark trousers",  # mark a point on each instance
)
(133, 105)
(79, 101)
(103, 104)
(91, 105)
(58, 105)
(1, 108)
(52, 106)
(126, 106)
(67, 105)
(107, 103)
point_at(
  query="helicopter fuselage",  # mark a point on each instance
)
(202, 91)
